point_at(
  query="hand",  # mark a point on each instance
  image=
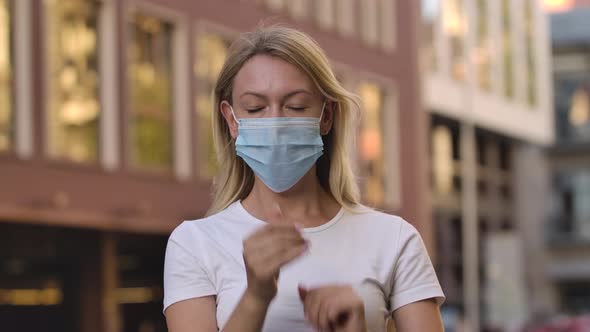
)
(334, 308)
(266, 251)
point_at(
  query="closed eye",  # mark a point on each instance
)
(299, 109)
(254, 110)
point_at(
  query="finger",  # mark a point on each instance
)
(277, 241)
(273, 240)
(326, 297)
(274, 230)
(274, 260)
(338, 318)
(316, 312)
(323, 312)
(272, 251)
(285, 256)
(338, 314)
(265, 264)
(302, 292)
(312, 307)
(308, 308)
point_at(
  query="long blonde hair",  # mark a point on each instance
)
(235, 179)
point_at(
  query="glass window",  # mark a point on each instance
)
(345, 17)
(579, 113)
(371, 158)
(454, 26)
(572, 105)
(442, 159)
(325, 12)
(72, 89)
(6, 90)
(275, 5)
(150, 91)
(370, 21)
(581, 208)
(573, 189)
(298, 8)
(508, 56)
(483, 45)
(387, 23)
(211, 53)
(530, 33)
(430, 17)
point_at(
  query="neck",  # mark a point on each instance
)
(306, 203)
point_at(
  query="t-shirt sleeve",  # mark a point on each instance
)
(414, 278)
(184, 275)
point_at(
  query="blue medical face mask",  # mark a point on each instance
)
(279, 150)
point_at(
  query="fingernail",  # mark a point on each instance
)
(298, 226)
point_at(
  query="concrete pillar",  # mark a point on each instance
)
(470, 226)
(89, 285)
(532, 194)
(99, 310)
(110, 280)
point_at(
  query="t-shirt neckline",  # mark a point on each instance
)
(316, 229)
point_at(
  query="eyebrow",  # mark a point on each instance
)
(288, 95)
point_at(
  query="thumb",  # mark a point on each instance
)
(302, 292)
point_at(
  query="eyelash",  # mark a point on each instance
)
(254, 110)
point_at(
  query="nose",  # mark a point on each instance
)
(276, 111)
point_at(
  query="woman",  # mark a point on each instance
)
(286, 245)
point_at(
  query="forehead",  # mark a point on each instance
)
(271, 76)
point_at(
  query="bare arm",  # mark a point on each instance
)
(199, 315)
(248, 316)
(418, 316)
(193, 315)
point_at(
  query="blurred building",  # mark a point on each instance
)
(563, 5)
(486, 86)
(105, 139)
(568, 232)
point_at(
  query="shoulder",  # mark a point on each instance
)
(196, 230)
(189, 229)
(378, 230)
(381, 221)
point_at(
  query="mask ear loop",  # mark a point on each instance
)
(234, 115)
(322, 113)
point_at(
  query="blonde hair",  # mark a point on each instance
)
(235, 179)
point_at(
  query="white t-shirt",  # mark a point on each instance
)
(380, 255)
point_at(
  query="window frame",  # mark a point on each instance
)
(365, 25)
(325, 20)
(203, 27)
(46, 91)
(21, 31)
(392, 190)
(181, 162)
(12, 82)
